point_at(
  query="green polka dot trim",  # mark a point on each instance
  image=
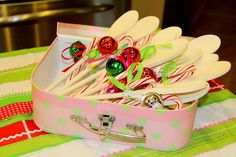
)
(108, 140)
(156, 136)
(187, 132)
(126, 107)
(61, 121)
(76, 111)
(172, 148)
(190, 107)
(160, 112)
(78, 135)
(93, 102)
(140, 144)
(175, 123)
(60, 97)
(124, 130)
(46, 105)
(48, 129)
(142, 121)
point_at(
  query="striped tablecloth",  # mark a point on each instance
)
(214, 129)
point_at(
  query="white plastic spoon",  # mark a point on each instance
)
(209, 71)
(190, 56)
(166, 35)
(212, 70)
(143, 27)
(208, 43)
(123, 23)
(207, 58)
(163, 55)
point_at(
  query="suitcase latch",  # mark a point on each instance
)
(106, 121)
(106, 124)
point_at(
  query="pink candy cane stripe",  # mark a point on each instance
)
(182, 76)
(100, 80)
(175, 99)
(128, 38)
(142, 81)
(92, 45)
(181, 70)
(188, 71)
(143, 41)
(15, 109)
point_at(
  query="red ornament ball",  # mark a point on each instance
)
(107, 45)
(148, 72)
(131, 55)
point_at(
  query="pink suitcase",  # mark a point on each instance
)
(132, 125)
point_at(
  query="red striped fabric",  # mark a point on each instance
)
(19, 131)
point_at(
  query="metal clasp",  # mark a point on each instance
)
(106, 124)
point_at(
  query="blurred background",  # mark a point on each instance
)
(32, 23)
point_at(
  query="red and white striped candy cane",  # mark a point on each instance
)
(128, 38)
(182, 73)
(182, 76)
(174, 98)
(143, 41)
(100, 80)
(178, 74)
(182, 69)
(146, 80)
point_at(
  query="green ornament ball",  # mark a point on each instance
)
(75, 48)
(114, 66)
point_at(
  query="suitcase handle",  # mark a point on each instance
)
(104, 130)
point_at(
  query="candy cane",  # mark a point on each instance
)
(182, 69)
(143, 41)
(128, 38)
(99, 81)
(178, 74)
(176, 99)
(142, 81)
(182, 76)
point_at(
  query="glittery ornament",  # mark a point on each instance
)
(114, 66)
(110, 89)
(152, 100)
(107, 45)
(130, 55)
(148, 72)
(76, 50)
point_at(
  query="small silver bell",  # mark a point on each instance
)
(152, 100)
